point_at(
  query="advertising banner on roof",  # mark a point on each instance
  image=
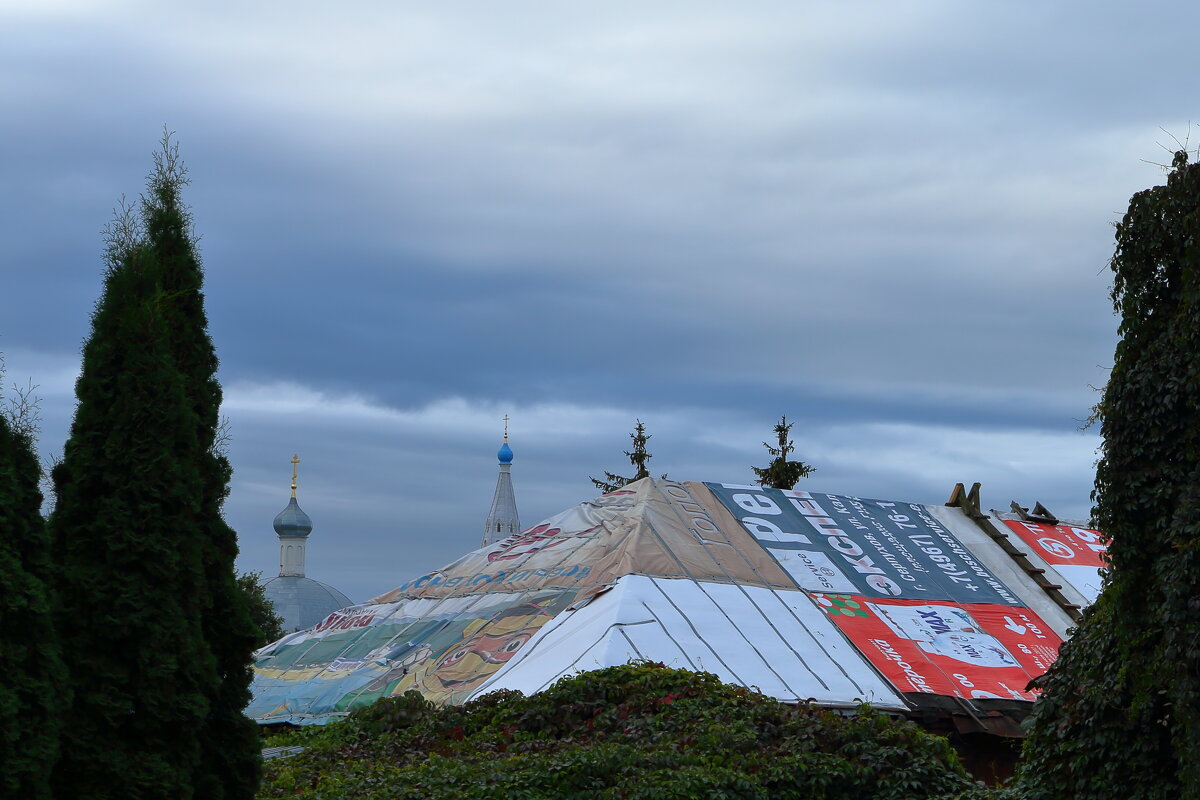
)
(1062, 544)
(974, 651)
(874, 548)
(1077, 554)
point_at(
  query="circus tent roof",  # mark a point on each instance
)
(827, 598)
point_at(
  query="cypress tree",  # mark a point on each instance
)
(125, 543)
(33, 682)
(158, 636)
(1119, 716)
(230, 763)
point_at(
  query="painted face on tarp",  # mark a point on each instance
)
(485, 649)
(465, 665)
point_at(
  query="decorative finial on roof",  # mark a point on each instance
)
(292, 521)
(505, 454)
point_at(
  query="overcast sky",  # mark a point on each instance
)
(889, 221)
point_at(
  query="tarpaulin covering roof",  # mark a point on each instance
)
(1071, 551)
(834, 599)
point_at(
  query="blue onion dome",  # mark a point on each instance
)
(292, 521)
(505, 454)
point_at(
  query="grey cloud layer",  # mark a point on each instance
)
(888, 221)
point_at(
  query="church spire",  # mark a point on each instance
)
(502, 520)
(293, 527)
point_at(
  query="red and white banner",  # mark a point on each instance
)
(1076, 554)
(974, 651)
(1062, 544)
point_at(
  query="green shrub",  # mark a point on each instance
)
(637, 731)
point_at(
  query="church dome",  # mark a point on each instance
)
(505, 454)
(292, 521)
(303, 602)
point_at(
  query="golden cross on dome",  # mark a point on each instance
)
(506, 428)
(295, 461)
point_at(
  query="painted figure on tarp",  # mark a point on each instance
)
(485, 646)
(447, 659)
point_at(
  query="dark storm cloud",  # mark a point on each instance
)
(889, 222)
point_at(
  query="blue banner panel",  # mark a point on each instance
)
(847, 545)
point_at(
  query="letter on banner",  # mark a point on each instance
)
(757, 503)
(765, 529)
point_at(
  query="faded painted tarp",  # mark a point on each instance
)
(658, 528)
(443, 648)
(447, 632)
(826, 596)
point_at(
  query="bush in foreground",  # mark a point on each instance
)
(636, 731)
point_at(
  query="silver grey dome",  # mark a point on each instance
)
(292, 521)
(303, 602)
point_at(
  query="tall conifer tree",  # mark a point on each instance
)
(230, 764)
(126, 545)
(158, 649)
(1120, 713)
(32, 679)
(639, 456)
(782, 473)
